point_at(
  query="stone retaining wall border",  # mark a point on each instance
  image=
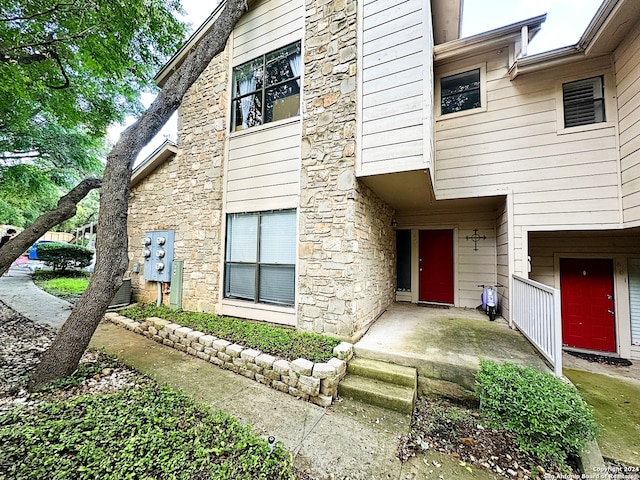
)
(301, 378)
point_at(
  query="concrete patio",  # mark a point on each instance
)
(444, 345)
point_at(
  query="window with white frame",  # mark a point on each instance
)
(260, 257)
(460, 92)
(267, 88)
(583, 102)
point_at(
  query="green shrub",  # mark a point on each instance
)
(64, 256)
(282, 342)
(141, 433)
(548, 416)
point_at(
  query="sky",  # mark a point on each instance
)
(565, 24)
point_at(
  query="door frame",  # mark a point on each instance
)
(620, 292)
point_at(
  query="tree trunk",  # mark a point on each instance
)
(62, 358)
(65, 210)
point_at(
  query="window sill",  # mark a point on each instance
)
(585, 128)
(259, 311)
(461, 113)
(266, 126)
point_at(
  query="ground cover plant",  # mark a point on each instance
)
(547, 415)
(282, 342)
(136, 430)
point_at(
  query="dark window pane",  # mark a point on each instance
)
(403, 247)
(461, 101)
(460, 92)
(283, 64)
(247, 111)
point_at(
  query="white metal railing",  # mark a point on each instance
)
(536, 313)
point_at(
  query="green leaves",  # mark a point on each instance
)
(101, 51)
(549, 417)
(141, 433)
(68, 70)
(283, 342)
(64, 256)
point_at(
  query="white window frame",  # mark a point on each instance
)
(610, 110)
(257, 262)
(263, 89)
(450, 72)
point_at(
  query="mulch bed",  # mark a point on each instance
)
(458, 431)
(591, 357)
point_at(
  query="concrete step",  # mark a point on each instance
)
(399, 398)
(383, 371)
(449, 367)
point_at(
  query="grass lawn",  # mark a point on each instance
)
(67, 285)
(615, 406)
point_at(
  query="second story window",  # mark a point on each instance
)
(583, 102)
(267, 88)
(460, 92)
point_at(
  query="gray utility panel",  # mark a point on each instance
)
(157, 251)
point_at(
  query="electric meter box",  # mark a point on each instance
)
(157, 253)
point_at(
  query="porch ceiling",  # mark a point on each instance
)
(411, 191)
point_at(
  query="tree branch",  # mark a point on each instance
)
(66, 83)
(65, 210)
(57, 7)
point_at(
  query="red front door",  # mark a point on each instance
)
(586, 287)
(436, 266)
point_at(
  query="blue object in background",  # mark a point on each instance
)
(33, 254)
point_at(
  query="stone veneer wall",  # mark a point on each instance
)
(185, 194)
(347, 246)
(301, 378)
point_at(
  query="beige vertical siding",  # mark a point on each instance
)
(627, 66)
(269, 24)
(263, 169)
(557, 179)
(395, 71)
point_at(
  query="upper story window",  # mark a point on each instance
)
(583, 102)
(460, 92)
(267, 88)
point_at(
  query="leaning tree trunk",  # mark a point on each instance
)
(66, 209)
(62, 358)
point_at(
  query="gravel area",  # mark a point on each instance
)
(23, 341)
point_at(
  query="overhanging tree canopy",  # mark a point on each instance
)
(111, 248)
(69, 69)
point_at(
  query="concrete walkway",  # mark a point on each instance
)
(347, 440)
(19, 292)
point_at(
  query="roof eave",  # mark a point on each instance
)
(497, 38)
(176, 60)
(164, 152)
